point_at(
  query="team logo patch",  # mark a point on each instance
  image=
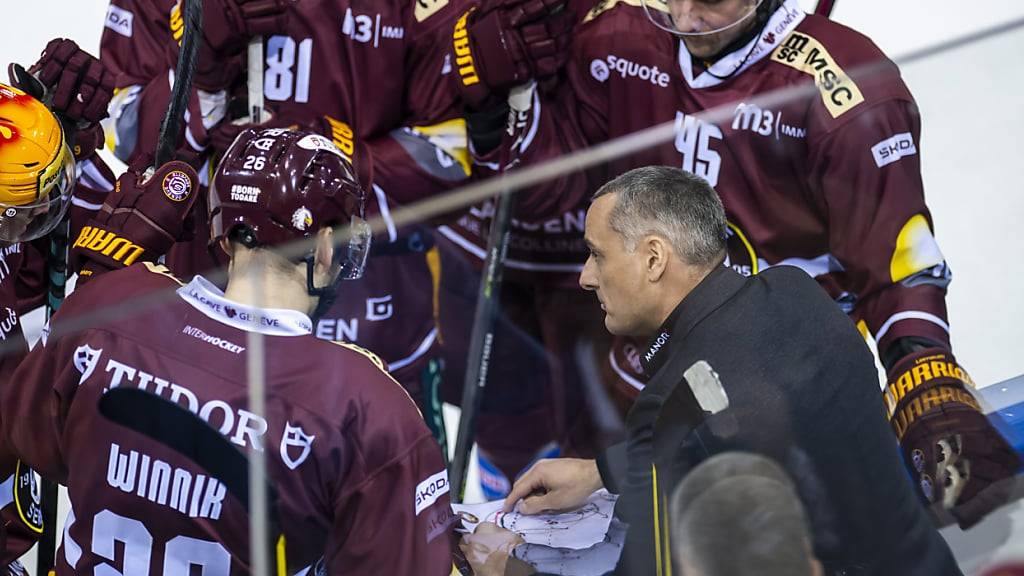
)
(378, 309)
(426, 8)
(295, 438)
(318, 142)
(429, 490)
(302, 219)
(177, 185)
(801, 52)
(120, 20)
(892, 149)
(599, 70)
(85, 360)
(28, 497)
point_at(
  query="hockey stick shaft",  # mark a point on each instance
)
(259, 522)
(825, 7)
(188, 55)
(57, 269)
(488, 303)
(254, 80)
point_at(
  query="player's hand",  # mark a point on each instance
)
(76, 86)
(559, 484)
(79, 85)
(957, 458)
(505, 43)
(139, 221)
(228, 25)
(489, 550)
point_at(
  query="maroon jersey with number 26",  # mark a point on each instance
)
(362, 483)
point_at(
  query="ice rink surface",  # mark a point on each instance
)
(970, 101)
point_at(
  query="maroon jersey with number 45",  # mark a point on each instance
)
(829, 182)
(362, 483)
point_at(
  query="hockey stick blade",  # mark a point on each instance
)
(184, 432)
(175, 427)
(188, 56)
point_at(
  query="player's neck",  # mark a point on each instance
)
(259, 287)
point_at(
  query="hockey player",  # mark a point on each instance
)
(362, 482)
(41, 157)
(830, 183)
(48, 168)
(365, 76)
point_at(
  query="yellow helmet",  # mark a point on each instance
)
(37, 169)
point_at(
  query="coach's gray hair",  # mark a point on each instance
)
(676, 205)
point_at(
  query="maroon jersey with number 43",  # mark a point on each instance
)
(361, 481)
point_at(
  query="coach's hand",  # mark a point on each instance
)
(560, 484)
(505, 43)
(956, 456)
(139, 221)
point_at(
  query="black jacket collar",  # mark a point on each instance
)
(714, 290)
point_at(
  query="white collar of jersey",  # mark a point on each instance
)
(785, 19)
(209, 300)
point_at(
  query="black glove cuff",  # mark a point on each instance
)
(486, 127)
(902, 347)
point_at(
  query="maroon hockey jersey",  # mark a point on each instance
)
(24, 287)
(361, 481)
(830, 182)
(378, 70)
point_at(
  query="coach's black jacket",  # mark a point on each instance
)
(803, 389)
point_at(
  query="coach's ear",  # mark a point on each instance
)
(656, 254)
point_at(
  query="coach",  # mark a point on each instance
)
(800, 382)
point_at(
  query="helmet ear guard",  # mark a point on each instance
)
(350, 262)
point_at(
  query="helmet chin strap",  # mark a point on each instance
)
(763, 13)
(326, 295)
(738, 22)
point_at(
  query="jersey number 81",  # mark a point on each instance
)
(287, 69)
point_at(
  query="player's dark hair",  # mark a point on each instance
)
(671, 203)
(739, 514)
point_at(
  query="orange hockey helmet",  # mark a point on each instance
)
(37, 169)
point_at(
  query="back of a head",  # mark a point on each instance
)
(674, 204)
(283, 197)
(276, 186)
(739, 514)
